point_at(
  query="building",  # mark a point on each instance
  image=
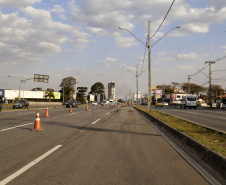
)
(111, 91)
(10, 95)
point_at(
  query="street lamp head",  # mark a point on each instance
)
(121, 28)
(178, 26)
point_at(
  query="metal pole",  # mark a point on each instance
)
(75, 86)
(210, 86)
(189, 87)
(149, 68)
(137, 85)
(20, 88)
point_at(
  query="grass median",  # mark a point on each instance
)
(210, 138)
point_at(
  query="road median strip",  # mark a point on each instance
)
(207, 144)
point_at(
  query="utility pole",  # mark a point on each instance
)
(137, 85)
(210, 74)
(149, 67)
(189, 86)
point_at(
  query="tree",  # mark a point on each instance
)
(49, 94)
(98, 88)
(81, 94)
(194, 88)
(217, 90)
(67, 86)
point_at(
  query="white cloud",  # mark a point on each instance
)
(189, 56)
(17, 3)
(125, 42)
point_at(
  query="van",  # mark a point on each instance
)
(188, 101)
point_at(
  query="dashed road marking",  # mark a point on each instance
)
(15, 127)
(95, 121)
(25, 168)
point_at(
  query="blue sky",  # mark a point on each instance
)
(81, 37)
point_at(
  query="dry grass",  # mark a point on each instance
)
(210, 138)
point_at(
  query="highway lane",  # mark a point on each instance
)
(215, 118)
(99, 146)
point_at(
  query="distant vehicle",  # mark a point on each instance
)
(63, 103)
(72, 103)
(159, 103)
(0, 107)
(104, 103)
(165, 103)
(21, 104)
(188, 101)
(94, 103)
(144, 101)
(223, 101)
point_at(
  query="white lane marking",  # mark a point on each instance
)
(25, 168)
(27, 113)
(222, 117)
(108, 112)
(72, 114)
(95, 121)
(16, 127)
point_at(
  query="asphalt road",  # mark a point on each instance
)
(211, 118)
(100, 146)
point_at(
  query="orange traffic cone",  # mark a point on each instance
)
(37, 122)
(47, 113)
(98, 105)
(87, 108)
(70, 110)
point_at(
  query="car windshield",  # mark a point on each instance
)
(19, 101)
(191, 98)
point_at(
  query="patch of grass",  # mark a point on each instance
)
(208, 137)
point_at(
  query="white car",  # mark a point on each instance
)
(94, 103)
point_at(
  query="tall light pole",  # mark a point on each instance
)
(210, 85)
(149, 67)
(136, 82)
(149, 57)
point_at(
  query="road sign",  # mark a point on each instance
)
(41, 78)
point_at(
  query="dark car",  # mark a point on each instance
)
(72, 103)
(21, 104)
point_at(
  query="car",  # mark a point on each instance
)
(159, 104)
(104, 103)
(71, 103)
(21, 104)
(165, 103)
(94, 103)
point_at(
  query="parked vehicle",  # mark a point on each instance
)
(223, 101)
(72, 103)
(21, 104)
(94, 103)
(188, 101)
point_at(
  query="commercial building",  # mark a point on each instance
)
(10, 95)
(111, 91)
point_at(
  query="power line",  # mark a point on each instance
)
(163, 19)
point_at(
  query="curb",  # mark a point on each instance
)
(216, 161)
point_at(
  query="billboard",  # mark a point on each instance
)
(91, 97)
(158, 94)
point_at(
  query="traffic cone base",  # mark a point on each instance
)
(37, 125)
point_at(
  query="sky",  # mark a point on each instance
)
(82, 39)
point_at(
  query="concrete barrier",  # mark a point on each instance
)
(213, 159)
